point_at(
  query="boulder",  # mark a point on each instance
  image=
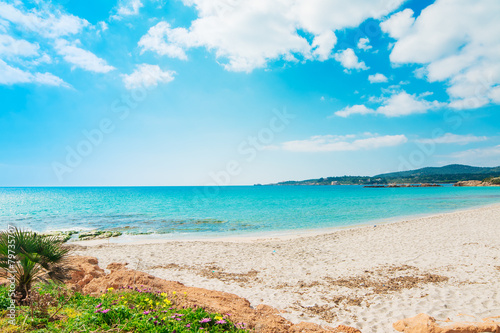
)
(469, 183)
(423, 323)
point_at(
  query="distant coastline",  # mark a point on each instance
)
(424, 177)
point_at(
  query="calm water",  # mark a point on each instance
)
(181, 211)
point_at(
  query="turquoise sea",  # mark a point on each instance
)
(176, 212)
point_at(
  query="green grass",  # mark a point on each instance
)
(55, 309)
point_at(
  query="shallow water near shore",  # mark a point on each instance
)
(177, 212)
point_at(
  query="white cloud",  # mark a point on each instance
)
(3, 25)
(397, 105)
(494, 94)
(363, 44)
(457, 42)
(323, 45)
(329, 143)
(349, 60)
(245, 35)
(154, 41)
(49, 79)
(479, 156)
(377, 78)
(17, 47)
(403, 104)
(355, 109)
(449, 138)
(81, 58)
(147, 76)
(48, 23)
(103, 25)
(43, 59)
(127, 8)
(398, 24)
(11, 75)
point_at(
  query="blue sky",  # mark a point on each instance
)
(198, 92)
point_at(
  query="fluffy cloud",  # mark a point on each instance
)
(10, 75)
(323, 45)
(147, 76)
(397, 105)
(355, 109)
(377, 78)
(479, 156)
(49, 79)
(103, 25)
(456, 41)
(127, 8)
(248, 34)
(398, 24)
(81, 58)
(154, 41)
(454, 138)
(349, 60)
(15, 47)
(363, 44)
(3, 25)
(48, 23)
(329, 143)
(403, 104)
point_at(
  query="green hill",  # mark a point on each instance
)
(452, 169)
(447, 174)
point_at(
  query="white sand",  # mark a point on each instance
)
(290, 272)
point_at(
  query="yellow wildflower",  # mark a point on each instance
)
(71, 313)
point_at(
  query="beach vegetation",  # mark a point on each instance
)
(493, 180)
(27, 257)
(55, 308)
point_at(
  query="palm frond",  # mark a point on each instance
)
(34, 256)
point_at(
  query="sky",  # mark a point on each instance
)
(234, 92)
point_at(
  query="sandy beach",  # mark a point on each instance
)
(368, 277)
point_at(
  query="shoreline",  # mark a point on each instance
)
(264, 235)
(444, 265)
